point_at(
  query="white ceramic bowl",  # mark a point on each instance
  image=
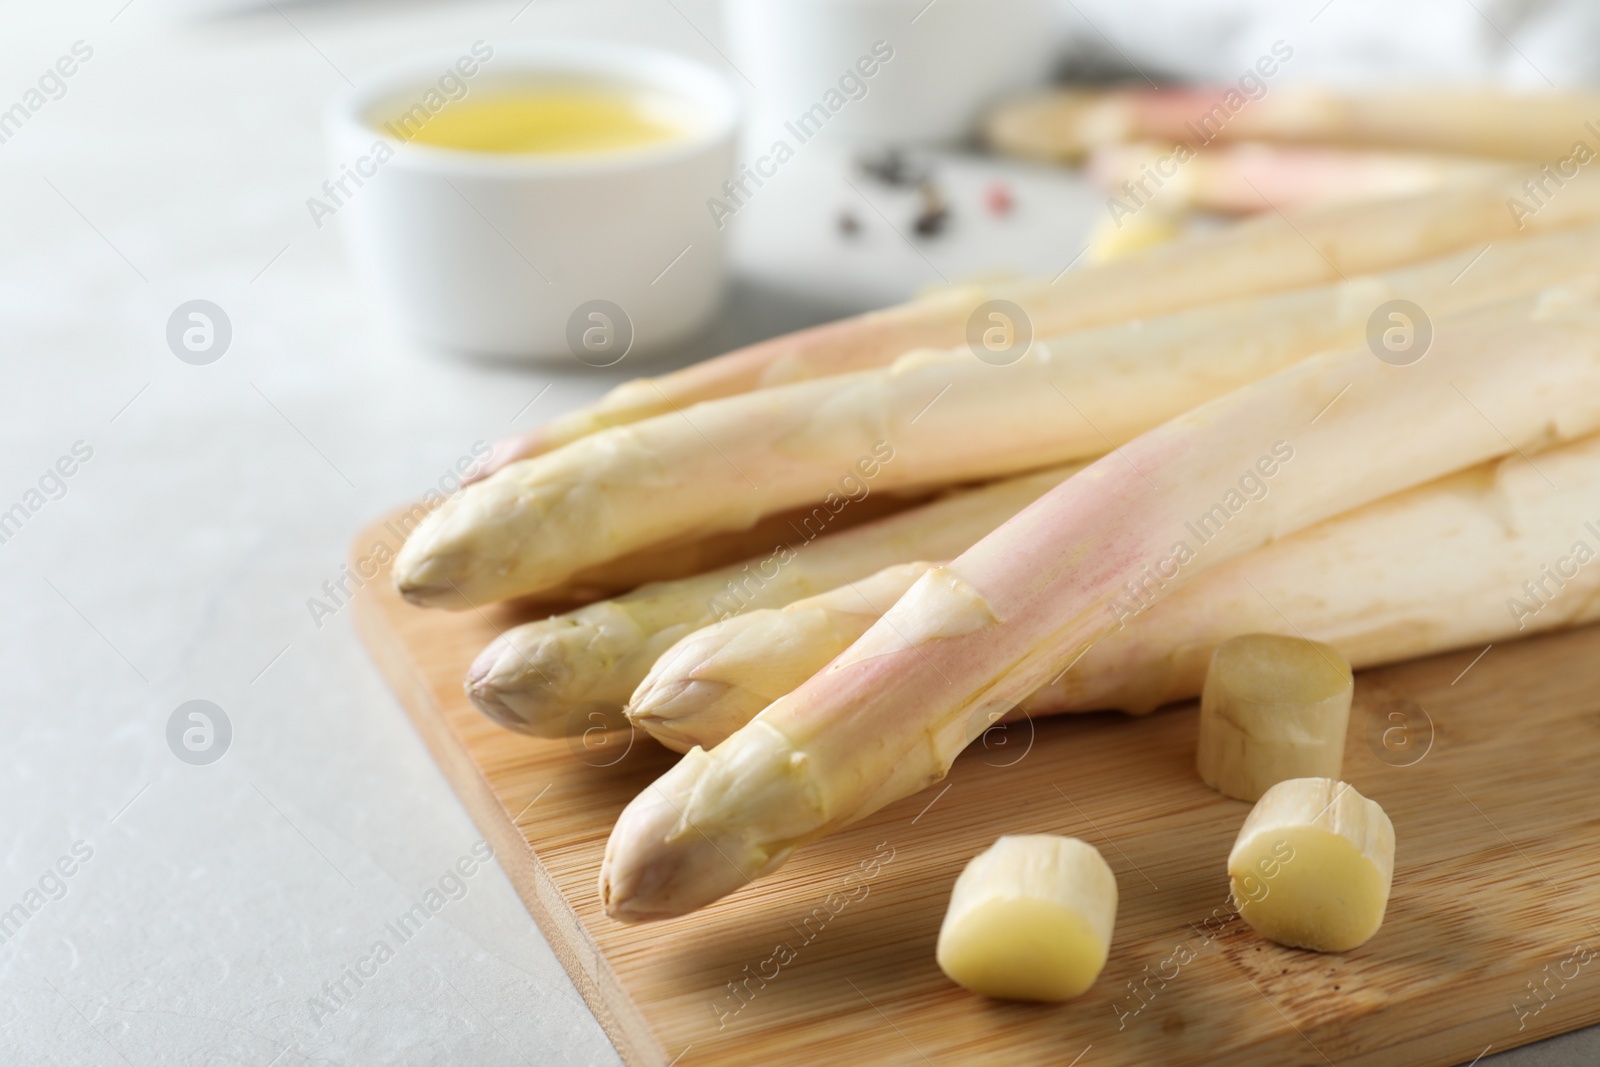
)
(555, 257)
(947, 60)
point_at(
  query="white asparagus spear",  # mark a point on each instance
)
(851, 344)
(970, 640)
(686, 558)
(1251, 177)
(716, 679)
(1268, 254)
(932, 418)
(546, 678)
(1488, 554)
(1495, 124)
(1460, 562)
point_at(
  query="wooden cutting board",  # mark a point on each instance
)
(1489, 767)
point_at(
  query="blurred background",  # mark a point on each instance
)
(211, 500)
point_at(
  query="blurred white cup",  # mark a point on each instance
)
(935, 64)
(543, 256)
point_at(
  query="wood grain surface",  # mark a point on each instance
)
(1489, 768)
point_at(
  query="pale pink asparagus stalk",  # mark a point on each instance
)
(1268, 254)
(1247, 178)
(851, 344)
(1484, 555)
(971, 640)
(1473, 558)
(1494, 124)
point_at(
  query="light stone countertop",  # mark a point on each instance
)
(209, 905)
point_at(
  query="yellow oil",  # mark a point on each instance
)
(566, 120)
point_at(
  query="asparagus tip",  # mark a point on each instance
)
(424, 596)
(658, 864)
(659, 708)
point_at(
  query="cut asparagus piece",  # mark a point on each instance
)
(1499, 125)
(1030, 918)
(1460, 562)
(1273, 708)
(1268, 254)
(546, 677)
(724, 464)
(716, 679)
(1313, 864)
(970, 640)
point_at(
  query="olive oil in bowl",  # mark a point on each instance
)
(551, 120)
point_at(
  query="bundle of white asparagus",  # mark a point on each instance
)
(972, 639)
(1067, 400)
(1067, 125)
(1201, 441)
(532, 525)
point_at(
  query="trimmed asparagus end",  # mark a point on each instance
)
(1030, 919)
(1313, 865)
(1273, 708)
